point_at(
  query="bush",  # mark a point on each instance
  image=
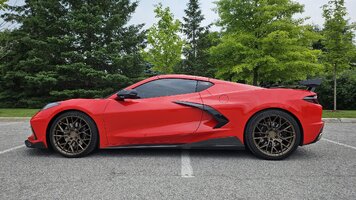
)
(346, 91)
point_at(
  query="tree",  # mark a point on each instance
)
(346, 97)
(164, 43)
(262, 42)
(338, 35)
(192, 28)
(69, 49)
(199, 40)
(2, 3)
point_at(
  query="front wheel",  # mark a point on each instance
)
(73, 134)
(272, 134)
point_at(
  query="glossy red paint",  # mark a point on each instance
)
(161, 121)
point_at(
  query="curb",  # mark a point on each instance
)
(339, 120)
(14, 118)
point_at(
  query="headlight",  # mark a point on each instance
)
(50, 105)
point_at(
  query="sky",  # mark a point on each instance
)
(144, 12)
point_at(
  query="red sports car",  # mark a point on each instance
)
(182, 111)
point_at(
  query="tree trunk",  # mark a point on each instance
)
(334, 86)
(255, 76)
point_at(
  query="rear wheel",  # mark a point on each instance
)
(73, 134)
(272, 134)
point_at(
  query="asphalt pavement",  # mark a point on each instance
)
(325, 170)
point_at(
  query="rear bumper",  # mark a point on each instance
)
(319, 134)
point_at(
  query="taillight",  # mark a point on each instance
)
(312, 99)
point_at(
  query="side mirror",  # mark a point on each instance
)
(127, 94)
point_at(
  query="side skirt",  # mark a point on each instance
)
(217, 143)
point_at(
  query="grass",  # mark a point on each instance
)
(17, 112)
(339, 114)
(25, 112)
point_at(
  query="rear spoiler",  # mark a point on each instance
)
(311, 83)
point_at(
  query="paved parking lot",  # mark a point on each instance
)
(325, 170)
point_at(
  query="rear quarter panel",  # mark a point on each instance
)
(240, 104)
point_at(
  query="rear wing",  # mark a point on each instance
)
(311, 83)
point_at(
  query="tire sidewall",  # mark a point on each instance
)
(94, 131)
(256, 118)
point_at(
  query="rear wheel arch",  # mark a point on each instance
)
(279, 109)
(60, 113)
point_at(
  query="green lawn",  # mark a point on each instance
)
(339, 114)
(24, 112)
(17, 112)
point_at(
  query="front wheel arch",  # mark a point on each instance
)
(280, 109)
(49, 146)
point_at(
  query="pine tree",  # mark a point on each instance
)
(338, 36)
(192, 29)
(199, 40)
(67, 48)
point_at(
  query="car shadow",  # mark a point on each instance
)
(299, 154)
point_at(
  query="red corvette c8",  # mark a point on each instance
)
(183, 111)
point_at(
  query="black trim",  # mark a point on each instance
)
(38, 145)
(220, 118)
(311, 83)
(216, 143)
(203, 85)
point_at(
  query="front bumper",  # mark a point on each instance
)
(37, 145)
(33, 142)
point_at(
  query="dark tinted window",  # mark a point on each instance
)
(203, 85)
(166, 87)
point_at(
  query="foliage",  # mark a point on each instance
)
(263, 42)
(199, 40)
(67, 49)
(346, 91)
(164, 42)
(338, 35)
(2, 3)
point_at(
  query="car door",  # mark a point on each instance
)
(154, 118)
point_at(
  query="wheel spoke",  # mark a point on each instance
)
(274, 135)
(72, 135)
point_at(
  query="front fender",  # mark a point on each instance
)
(94, 108)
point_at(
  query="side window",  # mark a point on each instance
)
(166, 87)
(203, 85)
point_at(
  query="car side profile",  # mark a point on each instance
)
(182, 111)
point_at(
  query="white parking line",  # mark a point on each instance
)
(11, 149)
(187, 170)
(341, 144)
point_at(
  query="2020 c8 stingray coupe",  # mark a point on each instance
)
(182, 111)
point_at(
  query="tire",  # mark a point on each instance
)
(272, 135)
(73, 134)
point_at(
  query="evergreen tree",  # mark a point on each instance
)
(192, 28)
(263, 42)
(164, 42)
(68, 48)
(338, 36)
(199, 40)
